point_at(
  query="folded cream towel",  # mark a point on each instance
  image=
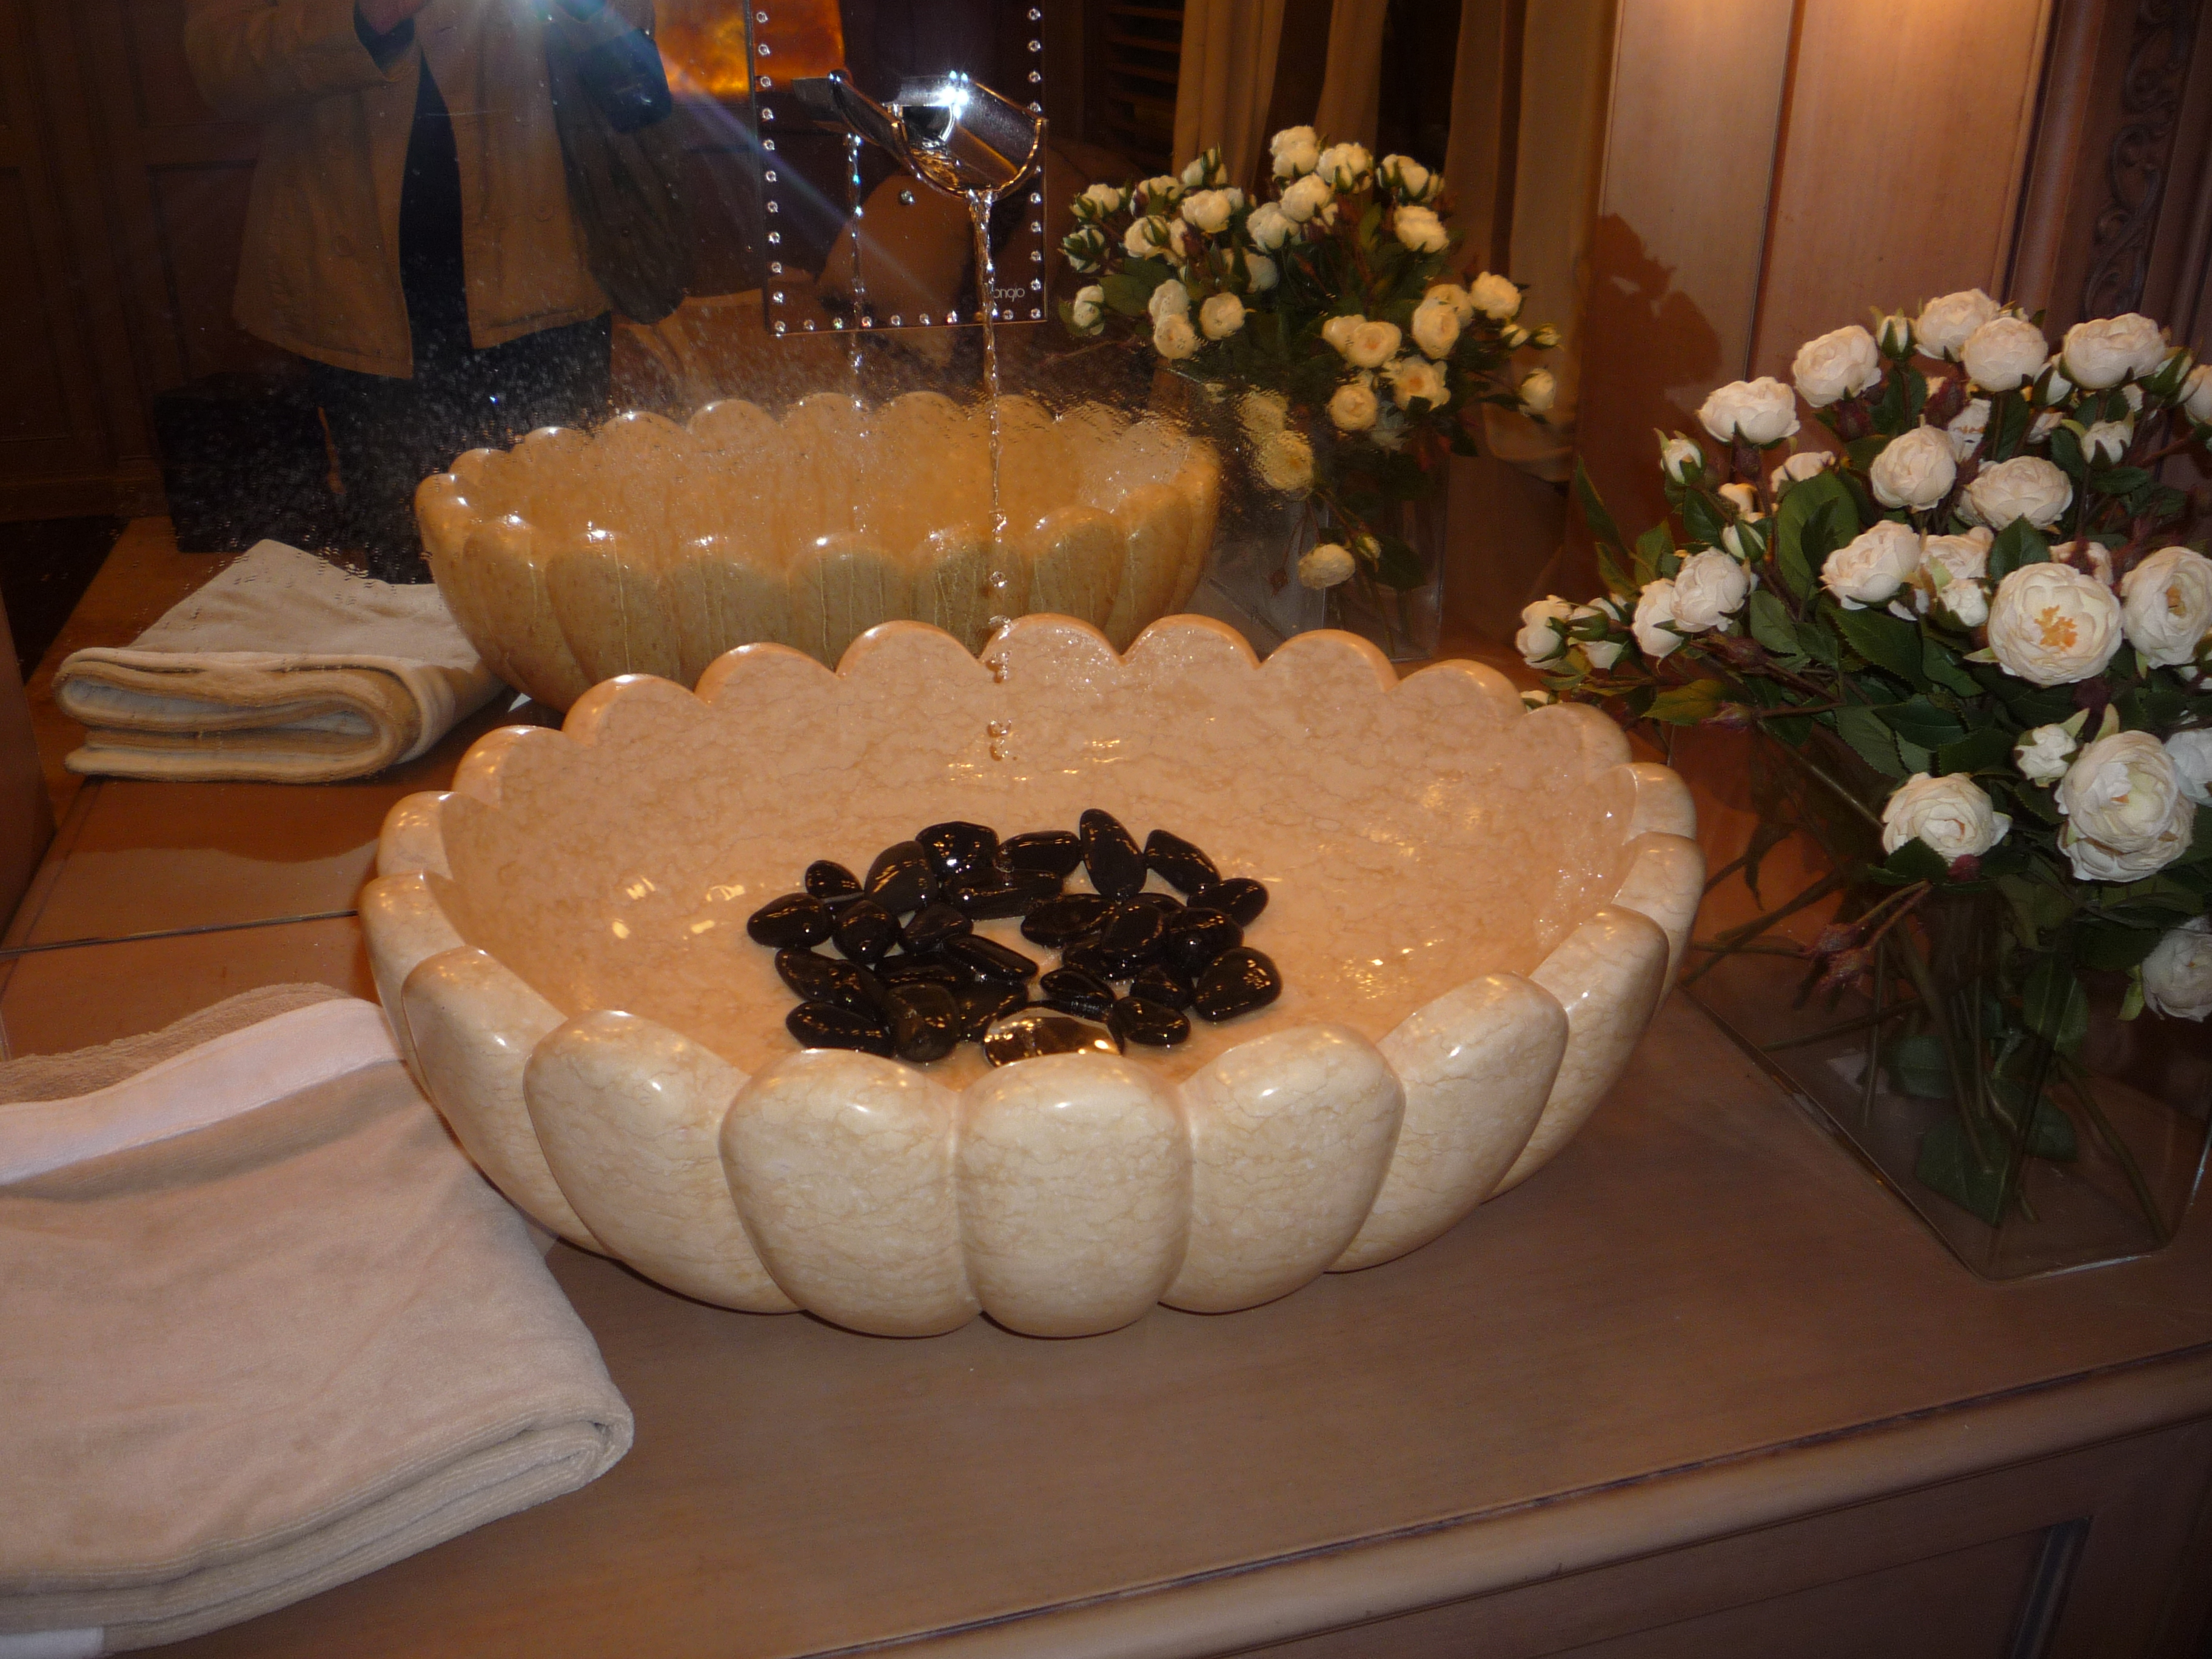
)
(266, 1331)
(283, 669)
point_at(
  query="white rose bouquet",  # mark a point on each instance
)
(1967, 617)
(1339, 298)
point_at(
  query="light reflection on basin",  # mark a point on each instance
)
(1475, 909)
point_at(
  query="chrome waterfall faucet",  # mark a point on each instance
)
(953, 133)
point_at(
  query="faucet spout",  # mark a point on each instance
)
(948, 131)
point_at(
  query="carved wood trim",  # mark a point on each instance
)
(2139, 159)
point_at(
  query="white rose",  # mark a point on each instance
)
(1872, 565)
(1540, 390)
(1170, 299)
(1369, 344)
(2005, 352)
(1221, 316)
(1967, 428)
(1680, 457)
(1286, 462)
(1805, 463)
(1419, 230)
(1953, 815)
(1179, 241)
(2108, 441)
(1408, 178)
(2195, 395)
(1761, 412)
(1173, 336)
(2126, 816)
(1915, 468)
(1088, 310)
(1537, 699)
(1451, 293)
(1269, 226)
(1295, 150)
(1895, 332)
(2040, 428)
(2191, 752)
(1261, 414)
(1326, 566)
(1602, 653)
(2167, 601)
(1417, 377)
(1709, 587)
(1308, 196)
(1205, 169)
(1743, 498)
(2106, 350)
(1354, 407)
(1496, 297)
(2176, 974)
(1945, 325)
(2043, 754)
(2026, 487)
(1543, 636)
(1962, 557)
(1836, 366)
(1655, 618)
(1337, 331)
(1146, 237)
(1101, 201)
(2052, 625)
(1345, 165)
(1157, 194)
(1207, 210)
(1968, 603)
(1261, 272)
(1435, 327)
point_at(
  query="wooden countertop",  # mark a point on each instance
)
(1701, 1319)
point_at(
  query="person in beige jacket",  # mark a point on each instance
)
(409, 232)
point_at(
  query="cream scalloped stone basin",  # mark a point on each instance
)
(650, 548)
(1475, 909)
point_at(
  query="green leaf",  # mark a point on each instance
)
(1397, 565)
(1885, 641)
(1863, 452)
(1940, 665)
(2113, 946)
(1653, 548)
(1129, 291)
(1920, 722)
(1918, 1067)
(2054, 1005)
(1978, 751)
(2018, 543)
(1948, 1165)
(1806, 505)
(1818, 643)
(1916, 860)
(1876, 743)
(1771, 625)
(1685, 705)
(2200, 842)
(1701, 519)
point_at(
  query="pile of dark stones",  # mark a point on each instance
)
(911, 978)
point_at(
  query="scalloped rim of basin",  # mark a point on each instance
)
(1063, 1196)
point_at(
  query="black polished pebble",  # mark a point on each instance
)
(1035, 1032)
(981, 1005)
(825, 979)
(1110, 854)
(1161, 983)
(826, 1025)
(1074, 992)
(930, 928)
(1179, 863)
(790, 923)
(1084, 953)
(866, 932)
(1166, 903)
(827, 879)
(988, 959)
(1237, 983)
(1002, 893)
(1154, 1024)
(921, 970)
(1130, 934)
(1239, 898)
(901, 879)
(925, 1023)
(957, 847)
(1068, 916)
(1194, 938)
(1053, 852)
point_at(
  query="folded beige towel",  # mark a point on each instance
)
(266, 1330)
(283, 669)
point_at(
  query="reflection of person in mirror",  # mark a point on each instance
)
(410, 232)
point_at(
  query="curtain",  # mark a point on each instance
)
(1227, 79)
(1353, 87)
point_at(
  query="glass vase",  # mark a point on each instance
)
(1931, 1056)
(1401, 622)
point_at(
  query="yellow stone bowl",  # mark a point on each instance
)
(1475, 909)
(652, 548)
